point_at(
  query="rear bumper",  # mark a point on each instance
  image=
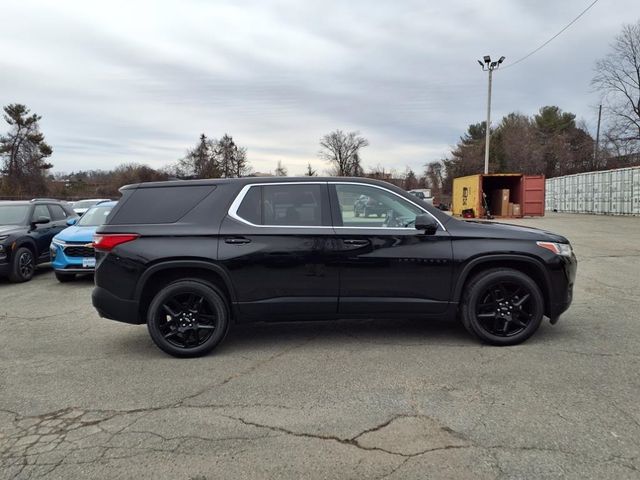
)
(115, 308)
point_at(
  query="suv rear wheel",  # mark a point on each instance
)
(188, 318)
(502, 306)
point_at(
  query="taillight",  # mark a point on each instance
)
(107, 241)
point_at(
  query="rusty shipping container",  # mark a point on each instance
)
(527, 191)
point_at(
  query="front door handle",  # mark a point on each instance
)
(356, 242)
(237, 240)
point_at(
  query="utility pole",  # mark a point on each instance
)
(595, 147)
(488, 66)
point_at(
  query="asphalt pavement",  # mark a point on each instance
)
(84, 397)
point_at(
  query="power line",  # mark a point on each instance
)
(552, 38)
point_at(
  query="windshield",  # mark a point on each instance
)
(94, 217)
(85, 203)
(13, 214)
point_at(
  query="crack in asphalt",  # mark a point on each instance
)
(353, 441)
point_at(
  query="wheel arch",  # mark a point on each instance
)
(28, 243)
(159, 275)
(527, 265)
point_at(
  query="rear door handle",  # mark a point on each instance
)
(356, 242)
(237, 240)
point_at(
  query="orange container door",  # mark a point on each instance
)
(533, 195)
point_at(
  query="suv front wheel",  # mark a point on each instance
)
(188, 318)
(23, 266)
(502, 306)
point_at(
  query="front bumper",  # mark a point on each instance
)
(115, 308)
(5, 260)
(5, 268)
(61, 262)
(562, 283)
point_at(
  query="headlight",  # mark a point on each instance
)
(563, 249)
(62, 243)
(3, 237)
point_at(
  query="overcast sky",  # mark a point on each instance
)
(134, 81)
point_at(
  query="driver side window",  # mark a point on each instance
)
(40, 211)
(367, 206)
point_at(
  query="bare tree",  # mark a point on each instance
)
(342, 151)
(311, 172)
(617, 77)
(231, 158)
(281, 170)
(435, 178)
(410, 179)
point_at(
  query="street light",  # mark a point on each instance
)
(488, 66)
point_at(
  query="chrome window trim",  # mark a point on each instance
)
(233, 209)
(235, 205)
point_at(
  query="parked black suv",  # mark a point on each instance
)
(211, 252)
(26, 230)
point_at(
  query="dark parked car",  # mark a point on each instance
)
(26, 230)
(213, 252)
(366, 206)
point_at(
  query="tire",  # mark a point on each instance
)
(502, 307)
(23, 265)
(65, 277)
(188, 318)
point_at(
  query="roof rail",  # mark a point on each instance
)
(45, 200)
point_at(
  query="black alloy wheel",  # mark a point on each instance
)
(502, 306)
(188, 318)
(24, 265)
(505, 308)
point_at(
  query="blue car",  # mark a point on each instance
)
(72, 249)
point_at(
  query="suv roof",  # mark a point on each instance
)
(30, 202)
(251, 180)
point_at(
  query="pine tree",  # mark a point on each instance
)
(23, 151)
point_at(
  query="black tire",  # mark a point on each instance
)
(65, 277)
(188, 318)
(502, 306)
(23, 265)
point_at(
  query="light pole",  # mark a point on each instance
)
(488, 66)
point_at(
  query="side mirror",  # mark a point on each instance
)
(40, 221)
(72, 221)
(427, 223)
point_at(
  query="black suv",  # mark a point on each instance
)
(26, 230)
(212, 252)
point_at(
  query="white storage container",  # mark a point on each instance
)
(609, 192)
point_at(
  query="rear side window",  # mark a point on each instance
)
(159, 204)
(57, 212)
(285, 205)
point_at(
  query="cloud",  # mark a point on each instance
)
(139, 81)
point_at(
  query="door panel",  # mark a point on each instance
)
(394, 272)
(281, 270)
(42, 233)
(386, 265)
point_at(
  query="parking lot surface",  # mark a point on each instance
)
(83, 397)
